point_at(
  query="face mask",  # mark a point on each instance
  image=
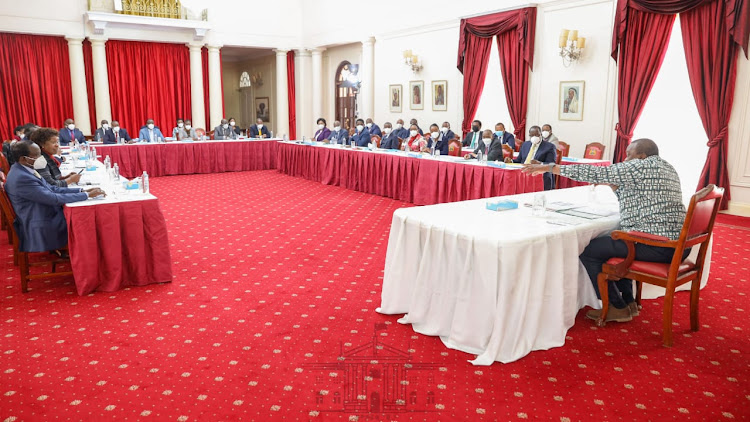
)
(260, 126)
(150, 125)
(434, 135)
(369, 125)
(23, 135)
(387, 130)
(487, 141)
(360, 128)
(187, 127)
(475, 128)
(320, 127)
(535, 140)
(545, 134)
(232, 123)
(180, 124)
(225, 125)
(39, 163)
(413, 132)
(71, 126)
(105, 126)
(444, 129)
(499, 133)
(336, 128)
(399, 126)
(116, 128)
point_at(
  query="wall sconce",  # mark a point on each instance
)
(412, 60)
(257, 79)
(571, 46)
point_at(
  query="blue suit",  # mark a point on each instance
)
(389, 141)
(145, 136)
(109, 136)
(338, 136)
(443, 142)
(255, 133)
(508, 139)
(40, 222)
(361, 139)
(546, 153)
(375, 130)
(66, 139)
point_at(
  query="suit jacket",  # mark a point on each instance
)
(144, 135)
(339, 137)
(51, 174)
(508, 139)
(40, 222)
(322, 134)
(472, 137)
(389, 141)
(494, 151)
(254, 133)
(221, 133)
(110, 138)
(361, 139)
(546, 153)
(100, 133)
(443, 142)
(375, 130)
(65, 138)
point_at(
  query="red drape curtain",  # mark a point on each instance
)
(88, 65)
(641, 55)
(148, 80)
(34, 82)
(206, 97)
(473, 52)
(711, 57)
(292, 96)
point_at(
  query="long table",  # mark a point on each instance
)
(117, 241)
(171, 158)
(564, 182)
(402, 176)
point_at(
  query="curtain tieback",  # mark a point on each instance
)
(718, 138)
(622, 134)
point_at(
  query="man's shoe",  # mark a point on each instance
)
(634, 309)
(614, 314)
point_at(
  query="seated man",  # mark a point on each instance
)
(101, 132)
(150, 133)
(536, 151)
(338, 134)
(224, 131)
(40, 222)
(437, 140)
(49, 168)
(472, 138)
(373, 128)
(69, 133)
(650, 197)
(389, 139)
(361, 136)
(258, 130)
(447, 136)
(234, 127)
(117, 134)
(548, 136)
(190, 132)
(492, 148)
(507, 138)
(401, 131)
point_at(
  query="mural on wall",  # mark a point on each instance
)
(262, 107)
(416, 95)
(394, 98)
(439, 95)
(571, 100)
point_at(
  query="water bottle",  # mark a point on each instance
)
(93, 153)
(107, 162)
(144, 181)
(117, 171)
(480, 156)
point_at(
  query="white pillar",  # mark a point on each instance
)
(101, 80)
(282, 95)
(305, 118)
(367, 76)
(197, 99)
(78, 85)
(317, 85)
(216, 105)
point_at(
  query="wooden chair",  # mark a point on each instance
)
(518, 145)
(375, 139)
(507, 151)
(594, 150)
(26, 260)
(564, 147)
(454, 147)
(697, 229)
(3, 220)
(4, 165)
(400, 143)
(202, 132)
(210, 134)
(558, 159)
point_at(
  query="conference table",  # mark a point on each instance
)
(116, 241)
(564, 182)
(406, 176)
(188, 157)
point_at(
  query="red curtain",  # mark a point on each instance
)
(292, 96)
(89, 67)
(206, 97)
(34, 82)
(515, 60)
(641, 55)
(711, 57)
(148, 80)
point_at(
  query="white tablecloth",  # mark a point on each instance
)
(495, 284)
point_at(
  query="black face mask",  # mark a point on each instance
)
(475, 128)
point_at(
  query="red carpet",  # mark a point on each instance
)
(276, 277)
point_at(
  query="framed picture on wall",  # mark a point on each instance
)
(262, 109)
(416, 95)
(571, 100)
(439, 95)
(394, 98)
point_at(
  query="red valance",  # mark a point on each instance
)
(488, 26)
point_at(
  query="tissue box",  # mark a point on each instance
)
(501, 205)
(131, 184)
(498, 164)
(414, 155)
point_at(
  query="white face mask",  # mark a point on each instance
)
(369, 125)
(187, 127)
(232, 123)
(399, 126)
(444, 129)
(434, 135)
(486, 141)
(387, 130)
(225, 125)
(116, 128)
(535, 140)
(360, 128)
(336, 128)
(180, 124)
(320, 127)
(150, 125)
(40, 163)
(545, 134)
(105, 126)
(413, 132)
(71, 126)
(260, 126)
(23, 135)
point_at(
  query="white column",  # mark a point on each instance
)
(216, 106)
(305, 118)
(282, 95)
(197, 99)
(101, 80)
(317, 85)
(367, 76)
(78, 85)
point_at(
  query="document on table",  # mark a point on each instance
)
(588, 211)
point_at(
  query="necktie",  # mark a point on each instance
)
(532, 153)
(117, 136)
(71, 135)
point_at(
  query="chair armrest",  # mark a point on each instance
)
(645, 238)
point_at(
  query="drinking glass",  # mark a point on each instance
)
(539, 205)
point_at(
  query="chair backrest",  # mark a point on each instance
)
(4, 165)
(594, 150)
(507, 151)
(564, 147)
(699, 221)
(200, 131)
(518, 145)
(375, 139)
(454, 147)
(7, 207)
(210, 134)
(558, 156)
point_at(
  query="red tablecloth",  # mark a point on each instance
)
(113, 246)
(419, 181)
(191, 158)
(564, 182)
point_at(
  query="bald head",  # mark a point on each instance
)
(646, 147)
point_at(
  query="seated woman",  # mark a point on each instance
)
(415, 141)
(48, 166)
(323, 132)
(178, 133)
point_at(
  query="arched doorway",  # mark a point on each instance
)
(346, 94)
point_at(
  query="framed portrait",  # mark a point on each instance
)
(416, 95)
(262, 109)
(394, 98)
(571, 100)
(439, 95)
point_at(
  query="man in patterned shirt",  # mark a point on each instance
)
(648, 189)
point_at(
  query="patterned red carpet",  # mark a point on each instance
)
(277, 277)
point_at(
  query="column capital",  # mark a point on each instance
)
(318, 50)
(302, 52)
(194, 46)
(280, 51)
(98, 41)
(368, 40)
(74, 40)
(214, 47)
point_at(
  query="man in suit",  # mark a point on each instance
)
(258, 130)
(536, 151)
(117, 134)
(507, 137)
(40, 222)
(69, 133)
(224, 131)
(373, 128)
(436, 140)
(548, 136)
(150, 133)
(361, 136)
(338, 134)
(473, 138)
(447, 136)
(389, 139)
(492, 149)
(101, 132)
